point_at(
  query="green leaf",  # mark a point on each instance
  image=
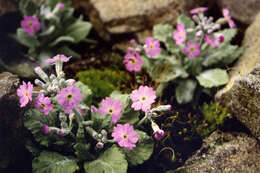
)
(101, 121)
(78, 30)
(130, 117)
(186, 21)
(229, 34)
(62, 39)
(162, 32)
(82, 147)
(47, 32)
(28, 7)
(142, 151)
(68, 52)
(185, 90)
(222, 56)
(111, 161)
(193, 66)
(86, 92)
(160, 88)
(33, 121)
(213, 78)
(27, 40)
(164, 69)
(123, 98)
(51, 162)
(172, 46)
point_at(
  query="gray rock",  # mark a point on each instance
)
(243, 100)
(10, 119)
(22, 67)
(241, 94)
(241, 10)
(123, 16)
(224, 153)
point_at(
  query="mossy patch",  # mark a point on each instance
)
(103, 82)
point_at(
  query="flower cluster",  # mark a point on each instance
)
(198, 45)
(43, 29)
(65, 99)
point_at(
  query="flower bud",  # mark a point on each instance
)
(70, 82)
(220, 38)
(195, 18)
(39, 83)
(99, 145)
(60, 132)
(104, 132)
(159, 134)
(60, 5)
(94, 109)
(45, 129)
(38, 70)
(132, 41)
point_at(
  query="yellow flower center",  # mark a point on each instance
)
(151, 46)
(192, 49)
(125, 136)
(69, 96)
(132, 61)
(143, 98)
(26, 94)
(110, 111)
(43, 106)
(30, 24)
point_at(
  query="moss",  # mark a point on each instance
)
(103, 82)
(214, 116)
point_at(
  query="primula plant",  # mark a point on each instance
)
(70, 134)
(49, 27)
(193, 56)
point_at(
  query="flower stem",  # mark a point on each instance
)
(78, 115)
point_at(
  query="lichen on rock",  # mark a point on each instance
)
(224, 153)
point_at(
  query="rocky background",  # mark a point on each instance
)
(118, 21)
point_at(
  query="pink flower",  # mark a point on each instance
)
(133, 62)
(69, 98)
(159, 134)
(125, 136)
(45, 129)
(143, 98)
(25, 93)
(60, 5)
(210, 41)
(152, 46)
(227, 16)
(214, 42)
(180, 34)
(30, 24)
(198, 10)
(220, 38)
(59, 57)
(192, 49)
(43, 104)
(111, 107)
